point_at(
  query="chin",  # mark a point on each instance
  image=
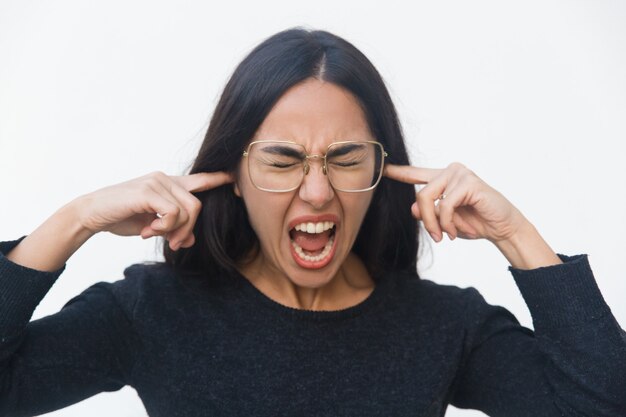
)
(312, 278)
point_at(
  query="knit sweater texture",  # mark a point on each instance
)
(410, 349)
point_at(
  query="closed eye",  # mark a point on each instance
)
(277, 162)
(282, 164)
(345, 163)
(279, 156)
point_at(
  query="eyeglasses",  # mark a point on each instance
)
(280, 166)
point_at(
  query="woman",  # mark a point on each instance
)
(290, 285)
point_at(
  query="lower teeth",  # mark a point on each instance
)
(315, 258)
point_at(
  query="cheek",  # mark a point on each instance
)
(363, 203)
(266, 213)
(355, 207)
(251, 201)
(258, 215)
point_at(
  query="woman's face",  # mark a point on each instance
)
(315, 114)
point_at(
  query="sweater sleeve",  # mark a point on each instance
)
(61, 359)
(573, 364)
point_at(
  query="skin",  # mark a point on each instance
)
(126, 209)
(315, 114)
(472, 209)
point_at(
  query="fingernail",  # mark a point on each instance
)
(434, 236)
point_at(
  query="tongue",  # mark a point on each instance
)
(311, 242)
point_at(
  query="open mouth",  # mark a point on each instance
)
(313, 243)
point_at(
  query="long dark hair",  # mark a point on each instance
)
(388, 239)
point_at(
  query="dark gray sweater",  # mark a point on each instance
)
(410, 349)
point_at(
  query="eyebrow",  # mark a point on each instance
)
(283, 150)
(344, 149)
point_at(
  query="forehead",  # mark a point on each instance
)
(315, 113)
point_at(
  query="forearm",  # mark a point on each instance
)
(50, 246)
(527, 249)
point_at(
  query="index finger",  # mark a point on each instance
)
(410, 174)
(203, 181)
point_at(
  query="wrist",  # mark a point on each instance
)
(526, 249)
(49, 246)
(70, 215)
(75, 209)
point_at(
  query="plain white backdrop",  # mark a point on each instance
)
(530, 95)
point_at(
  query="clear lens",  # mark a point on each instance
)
(354, 166)
(279, 166)
(276, 166)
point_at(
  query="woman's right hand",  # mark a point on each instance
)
(152, 205)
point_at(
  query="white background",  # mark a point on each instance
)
(530, 95)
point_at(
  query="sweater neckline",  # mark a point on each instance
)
(381, 288)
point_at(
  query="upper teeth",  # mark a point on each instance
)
(318, 227)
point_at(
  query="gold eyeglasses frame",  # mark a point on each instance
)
(307, 168)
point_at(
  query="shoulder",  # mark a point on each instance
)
(441, 302)
(443, 314)
(158, 280)
(148, 276)
(429, 292)
(141, 279)
(145, 288)
(118, 300)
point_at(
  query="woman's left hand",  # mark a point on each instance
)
(458, 202)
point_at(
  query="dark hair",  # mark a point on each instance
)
(388, 239)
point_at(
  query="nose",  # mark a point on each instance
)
(315, 188)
